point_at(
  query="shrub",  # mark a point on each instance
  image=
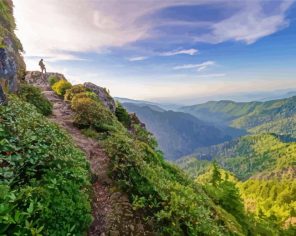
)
(53, 79)
(44, 178)
(78, 96)
(61, 86)
(75, 89)
(122, 115)
(34, 96)
(91, 113)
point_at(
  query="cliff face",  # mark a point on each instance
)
(12, 66)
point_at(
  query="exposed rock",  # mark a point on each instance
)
(8, 68)
(37, 79)
(135, 120)
(2, 96)
(103, 95)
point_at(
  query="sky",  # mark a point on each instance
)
(176, 51)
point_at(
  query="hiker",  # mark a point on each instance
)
(42, 66)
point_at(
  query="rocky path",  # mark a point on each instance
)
(111, 210)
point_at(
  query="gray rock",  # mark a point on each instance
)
(103, 95)
(8, 67)
(41, 80)
(2, 96)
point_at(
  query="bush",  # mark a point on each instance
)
(61, 87)
(34, 96)
(91, 113)
(52, 80)
(44, 178)
(122, 115)
(78, 96)
(79, 88)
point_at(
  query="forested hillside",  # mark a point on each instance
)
(275, 116)
(266, 168)
(179, 133)
(249, 155)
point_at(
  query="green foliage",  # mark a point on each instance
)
(165, 197)
(78, 96)
(174, 203)
(44, 180)
(122, 115)
(52, 80)
(7, 24)
(34, 96)
(225, 193)
(75, 89)
(271, 198)
(277, 116)
(91, 113)
(61, 87)
(248, 155)
(282, 126)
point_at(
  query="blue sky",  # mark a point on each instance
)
(169, 50)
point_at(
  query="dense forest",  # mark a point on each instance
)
(264, 166)
(276, 116)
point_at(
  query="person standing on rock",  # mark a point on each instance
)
(42, 66)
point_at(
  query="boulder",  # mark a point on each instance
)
(103, 95)
(2, 96)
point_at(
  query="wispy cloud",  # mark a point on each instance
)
(211, 75)
(115, 23)
(137, 58)
(249, 24)
(199, 67)
(190, 52)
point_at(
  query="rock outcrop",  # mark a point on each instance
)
(103, 95)
(37, 79)
(2, 96)
(12, 65)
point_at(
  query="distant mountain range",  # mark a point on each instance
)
(179, 133)
(275, 116)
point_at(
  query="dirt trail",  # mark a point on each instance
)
(111, 210)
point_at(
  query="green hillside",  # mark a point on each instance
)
(179, 133)
(272, 116)
(247, 155)
(222, 112)
(44, 178)
(266, 167)
(269, 197)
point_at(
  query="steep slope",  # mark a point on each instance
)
(12, 66)
(248, 155)
(222, 112)
(44, 178)
(249, 115)
(270, 197)
(103, 200)
(157, 191)
(177, 133)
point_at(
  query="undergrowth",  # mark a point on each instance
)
(44, 178)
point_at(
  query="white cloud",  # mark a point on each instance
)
(55, 26)
(137, 58)
(190, 52)
(199, 67)
(249, 24)
(211, 75)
